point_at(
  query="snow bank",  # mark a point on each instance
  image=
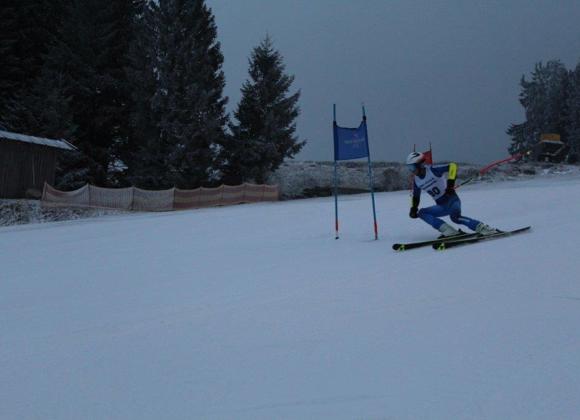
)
(18, 212)
(308, 179)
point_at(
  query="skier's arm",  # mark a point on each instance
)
(451, 177)
(416, 196)
(415, 201)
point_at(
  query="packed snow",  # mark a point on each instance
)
(257, 312)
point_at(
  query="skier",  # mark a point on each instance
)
(431, 179)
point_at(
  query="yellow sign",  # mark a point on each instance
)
(549, 136)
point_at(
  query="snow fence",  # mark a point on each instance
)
(137, 199)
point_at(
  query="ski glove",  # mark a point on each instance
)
(413, 213)
(450, 190)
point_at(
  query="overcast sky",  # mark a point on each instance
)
(445, 72)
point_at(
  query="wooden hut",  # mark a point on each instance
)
(27, 162)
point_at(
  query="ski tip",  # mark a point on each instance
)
(398, 247)
(441, 246)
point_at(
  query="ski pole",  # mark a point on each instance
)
(492, 165)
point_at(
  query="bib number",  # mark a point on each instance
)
(433, 192)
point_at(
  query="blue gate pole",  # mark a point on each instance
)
(335, 175)
(371, 184)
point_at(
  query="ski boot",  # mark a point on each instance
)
(484, 229)
(448, 231)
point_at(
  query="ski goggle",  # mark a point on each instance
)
(413, 166)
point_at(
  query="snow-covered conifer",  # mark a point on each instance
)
(265, 132)
(189, 100)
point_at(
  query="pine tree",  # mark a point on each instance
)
(10, 67)
(189, 100)
(99, 38)
(518, 134)
(545, 100)
(86, 67)
(38, 98)
(265, 133)
(532, 98)
(27, 31)
(144, 153)
(117, 28)
(557, 91)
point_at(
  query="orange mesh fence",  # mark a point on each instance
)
(53, 197)
(271, 193)
(111, 198)
(254, 193)
(134, 198)
(146, 200)
(232, 194)
(186, 199)
(210, 197)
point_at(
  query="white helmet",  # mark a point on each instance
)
(415, 158)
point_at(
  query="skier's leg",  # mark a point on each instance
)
(432, 215)
(456, 216)
(466, 221)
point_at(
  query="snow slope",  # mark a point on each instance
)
(256, 312)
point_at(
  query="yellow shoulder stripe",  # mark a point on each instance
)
(452, 171)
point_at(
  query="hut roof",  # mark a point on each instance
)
(59, 144)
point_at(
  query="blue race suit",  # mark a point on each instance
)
(447, 204)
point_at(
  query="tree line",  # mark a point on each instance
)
(137, 86)
(551, 100)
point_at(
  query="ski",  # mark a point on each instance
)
(413, 245)
(443, 245)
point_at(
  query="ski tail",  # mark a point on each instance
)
(413, 245)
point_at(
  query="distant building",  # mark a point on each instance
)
(550, 148)
(26, 163)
